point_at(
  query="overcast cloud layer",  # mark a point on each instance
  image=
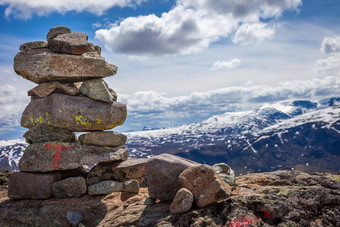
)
(192, 25)
(26, 8)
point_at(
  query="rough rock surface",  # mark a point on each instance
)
(283, 198)
(206, 186)
(114, 94)
(4, 175)
(70, 187)
(33, 45)
(182, 201)
(45, 133)
(97, 89)
(45, 89)
(162, 173)
(119, 171)
(31, 185)
(43, 65)
(105, 187)
(70, 43)
(74, 113)
(50, 156)
(58, 30)
(225, 172)
(131, 186)
(104, 139)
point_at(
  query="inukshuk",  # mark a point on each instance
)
(71, 97)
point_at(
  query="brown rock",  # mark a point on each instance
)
(118, 171)
(98, 49)
(162, 173)
(131, 186)
(55, 31)
(74, 113)
(70, 187)
(33, 45)
(114, 94)
(70, 43)
(206, 186)
(43, 65)
(44, 157)
(104, 139)
(97, 89)
(91, 48)
(31, 185)
(45, 133)
(45, 89)
(182, 202)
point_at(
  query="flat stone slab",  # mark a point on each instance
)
(45, 89)
(31, 185)
(33, 45)
(105, 139)
(162, 173)
(69, 43)
(51, 156)
(44, 65)
(75, 113)
(71, 187)
(46, 133)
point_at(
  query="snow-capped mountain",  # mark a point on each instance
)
(10, 155)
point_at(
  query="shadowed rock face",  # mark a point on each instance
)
(43, 65)
(282, 198)
(74, 113)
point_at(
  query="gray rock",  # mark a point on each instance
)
(31, 185)
(206, 186)
(70, 43)
(114, 94)
(105, 187)
(43, 65)
(225, 172)
(51, 156)
(45, 89)
(74, 113)
(97, 89)
(45, 133)
(98, 49)
(72, 187)
(74, 218)
(33, 45)
(149, 201)
(162, 173)
(55, 31)
(104, 139)
(131, 186)
(182, 201)
(118, 171)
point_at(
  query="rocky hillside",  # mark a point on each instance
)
(281, 198)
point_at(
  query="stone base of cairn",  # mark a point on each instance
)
(71, 97)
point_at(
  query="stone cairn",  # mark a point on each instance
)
(71, 96)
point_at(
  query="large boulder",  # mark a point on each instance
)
(97, 89)
(71, 187)
(44, 65)
(162, 173)
(206, 186)
(74, 113)
(31, 185)
(118, 171)
(44, 157)
(182, 201)
(69, 43)
(45, 133)
(45, 89)
(104, 139)
(58, 30)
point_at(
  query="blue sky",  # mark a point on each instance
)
(183, 61)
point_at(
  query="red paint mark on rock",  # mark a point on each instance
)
(244, 222)
(57, 155)
(267, 214)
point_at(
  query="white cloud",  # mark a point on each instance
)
(330, 44)
(26, 9)
(328, 66)
(222, 65)
(191, 25)
(254, 33)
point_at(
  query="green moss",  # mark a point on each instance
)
(335, 177)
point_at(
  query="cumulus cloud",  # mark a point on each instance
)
(25, 9)
(191, 25)
(330, 45)
(254, 33)
(328, 66)
(222, 65)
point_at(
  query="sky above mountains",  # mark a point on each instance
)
(183, 61)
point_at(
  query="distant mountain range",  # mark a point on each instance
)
(301, 134)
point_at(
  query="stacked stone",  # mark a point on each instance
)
(71, 97)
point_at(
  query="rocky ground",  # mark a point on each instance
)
(281, 198)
